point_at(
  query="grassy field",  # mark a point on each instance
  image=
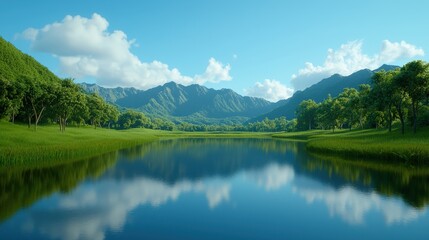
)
(368, 144)
(21, 146)
(24, 147)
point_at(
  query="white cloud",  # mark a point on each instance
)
(271, 90)
(85, 48)
(349, 58)
(215, 72)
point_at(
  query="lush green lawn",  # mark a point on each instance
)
(24, 147)
(368, 144)
(21, 146)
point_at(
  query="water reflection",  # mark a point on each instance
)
(20, 188)
(162, 173)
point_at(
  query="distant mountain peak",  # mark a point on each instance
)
(193, 103)
(386, 67)
(171, 84)
(332, 85)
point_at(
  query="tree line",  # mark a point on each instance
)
(34, 100)
(400, 95)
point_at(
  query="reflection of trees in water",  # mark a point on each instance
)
(21, 188)
(195, 158)
(412, 185)
(266, 145)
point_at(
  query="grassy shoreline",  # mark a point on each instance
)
(25, 148)
(367, 145)
(22, 147)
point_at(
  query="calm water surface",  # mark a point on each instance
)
(213, 189)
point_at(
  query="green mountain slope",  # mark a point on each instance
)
(109, 94)
(194, 103)
(333, 85)
(14, 64)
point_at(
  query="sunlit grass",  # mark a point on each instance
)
(20, 145)
(372, 144)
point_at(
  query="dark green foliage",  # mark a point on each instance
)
(394, 94)
(413, 78)
(29, 92)
(306, 114)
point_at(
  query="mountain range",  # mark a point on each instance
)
(201, 105)
(332, 85)
(194, 103)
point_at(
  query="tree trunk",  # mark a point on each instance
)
(29, 120)
(37, 116)
(414, 106)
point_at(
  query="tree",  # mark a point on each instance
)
(363, 103)
(306, 114)
(383, 92)
(39, 95)
(96, 106)
(349, 99)
(111, 114)
(329, 113)
(413, 78)
(281, 124)
(68, 102)
(5, 102)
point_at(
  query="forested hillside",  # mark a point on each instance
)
(333, 86)
(30, 93)
(195, 103)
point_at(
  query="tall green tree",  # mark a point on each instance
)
(363, 103)
(39, 95)
(68, 101)
(349, 99)
(306, 114)
(96, 107)
(383, 93)
(414, 79)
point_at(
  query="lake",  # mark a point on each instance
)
(213, 189)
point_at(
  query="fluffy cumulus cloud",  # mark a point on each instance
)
(350, 58)
(271, 90)
(85, 48)
(215, 72)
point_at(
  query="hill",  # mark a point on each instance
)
(333, 85)
(195, 103)
(15, 64)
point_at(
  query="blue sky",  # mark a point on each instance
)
(259, 48)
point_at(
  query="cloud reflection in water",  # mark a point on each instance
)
(91, 210)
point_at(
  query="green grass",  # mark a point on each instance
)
(412, 149)
(24, 147)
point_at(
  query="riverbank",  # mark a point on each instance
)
(393, 147)
(25, 148)
(21, 146)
